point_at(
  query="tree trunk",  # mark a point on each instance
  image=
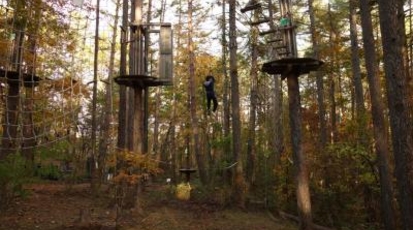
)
(225, 100)
(173, 151)
(393, 41)
(276, 133)
(319, 79)
(106, 131)
(300, 163)
(358, 86)
(251, 150)
(28, 130)
(355, 60)
(29, 135)
(239, 186)
(194, 119)
(123, 95)
(409, 54)
(155, 145)
(94, 167)
(379, 124)
(137, 111)
(332, 84)
(9, 142)
(138, 122)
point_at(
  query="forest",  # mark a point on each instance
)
(106, 113)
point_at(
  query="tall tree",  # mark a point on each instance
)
(319, 77)
(393, 36)
(158, 89)
(377, 111)
(123, 92)
(251, 148)
(226, 99)
(356, 70)
(332, 81)
(239, 186)
(300, 162)
(94, 156)
(107, 121)
(29, 133)
(277, 105)
(138, 112)
(10, 128)
(174, 118)
(194, 118)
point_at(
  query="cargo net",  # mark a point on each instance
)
(43, 57)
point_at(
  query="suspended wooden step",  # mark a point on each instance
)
(281, 47)
(275, 40)
(251, 5)
(260, 22)
(284, 53)
(278, 29)
(268, 32)
(287, 27)
(140, 80)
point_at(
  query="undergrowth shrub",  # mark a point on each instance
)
(49, 172)
(14, 173)
(347, 192)
(132, 169)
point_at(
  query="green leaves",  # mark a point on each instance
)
(13, 174)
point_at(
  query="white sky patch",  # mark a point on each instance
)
(78, 3)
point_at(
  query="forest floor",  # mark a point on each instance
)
(57, 206)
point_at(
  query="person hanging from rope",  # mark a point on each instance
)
(210, 93)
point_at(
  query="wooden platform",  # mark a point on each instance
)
(187, 172)
(29, 80)
(141, 81)
(288, 64)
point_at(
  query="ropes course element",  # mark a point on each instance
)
(41, 89)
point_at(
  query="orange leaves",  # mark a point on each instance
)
(128, 178)
(70, 86)
(71, 47)
(5, 51)
(133, 167)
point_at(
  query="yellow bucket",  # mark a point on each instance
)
(183, 191)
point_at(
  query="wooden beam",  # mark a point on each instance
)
(251, 6)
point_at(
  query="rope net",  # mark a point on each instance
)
(42, 71)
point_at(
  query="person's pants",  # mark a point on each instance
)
(214, 100)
